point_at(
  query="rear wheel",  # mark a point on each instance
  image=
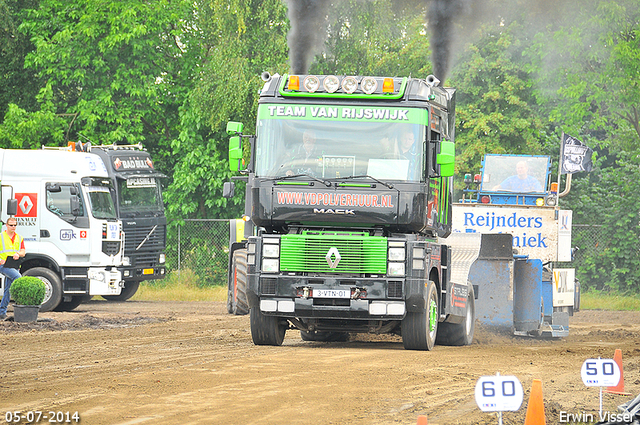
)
(419, 329)
(53, 287)
(460, 333)
(129, 290)
(237, 302)
(73, 304)
(266, 330)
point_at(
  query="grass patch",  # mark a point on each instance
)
(597, 300)
(182, 287)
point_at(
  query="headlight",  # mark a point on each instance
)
(94, 275)
(396, 254)
(271, 251)
(162, 258)
(395, 269)
(349, 84)
(270, 265)
(369, 85)
(331, 83)
(126, 261)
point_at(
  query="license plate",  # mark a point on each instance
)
(332, 293)
(147, 271)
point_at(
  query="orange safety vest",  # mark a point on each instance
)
(8, 247)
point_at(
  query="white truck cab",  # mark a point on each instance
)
(74, 241)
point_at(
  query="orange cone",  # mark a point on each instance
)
(618, 389)
(535, 408)
(422, 420)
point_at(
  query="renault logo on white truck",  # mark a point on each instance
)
(66, 215)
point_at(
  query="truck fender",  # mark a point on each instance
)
(39, 260)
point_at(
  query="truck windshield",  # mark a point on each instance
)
(139, 194)
(338, 144)
(512, 173)
(99, 191)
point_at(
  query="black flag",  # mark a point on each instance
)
(576, 156)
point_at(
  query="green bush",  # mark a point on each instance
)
(27, 290)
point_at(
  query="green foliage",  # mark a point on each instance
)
(28, 290)
(17, 85)
(496, 111)
(609, 198)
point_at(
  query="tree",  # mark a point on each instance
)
(17, 85)
(121, 68)
(588, 70)
(236, 50)
(496, 110)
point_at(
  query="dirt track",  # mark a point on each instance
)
(191, 363)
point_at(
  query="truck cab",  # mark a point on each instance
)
(137, 196)
(68, 220)
(349, 184)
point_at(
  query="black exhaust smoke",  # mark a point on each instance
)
(441, 16)
(308, 31)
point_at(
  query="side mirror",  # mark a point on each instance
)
(446, 159)
(12, 206)
(235, 153)
(74, 203)
(228, 189)
(234, 128)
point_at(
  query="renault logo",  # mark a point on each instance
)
(333, 257)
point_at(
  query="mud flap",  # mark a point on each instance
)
(492, 274)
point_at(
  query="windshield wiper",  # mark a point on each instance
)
(389, 185)
(324, 182)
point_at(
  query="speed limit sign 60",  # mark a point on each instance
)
(499, 393)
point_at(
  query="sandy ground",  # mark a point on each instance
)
(191, 363)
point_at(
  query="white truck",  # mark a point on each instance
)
(67, 218)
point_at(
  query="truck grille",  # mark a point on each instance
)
(111, 247)
(147, 254)
(359, 253)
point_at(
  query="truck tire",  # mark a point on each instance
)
(129, 290)
(419, 329)
(460, 333)
(53, 285)
(576, 296)
(266, 330)
(237, 302)
(73, 304)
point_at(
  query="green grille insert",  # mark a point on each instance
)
(359, 253)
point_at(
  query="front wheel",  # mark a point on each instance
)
(460, 333)
(419, 329)
(266, 330)
(53, 287)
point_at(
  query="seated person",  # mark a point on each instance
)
(389, 148)
(521, 182)
(305, 159)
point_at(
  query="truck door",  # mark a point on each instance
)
(65, 222)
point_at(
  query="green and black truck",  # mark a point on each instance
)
(348, 197)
